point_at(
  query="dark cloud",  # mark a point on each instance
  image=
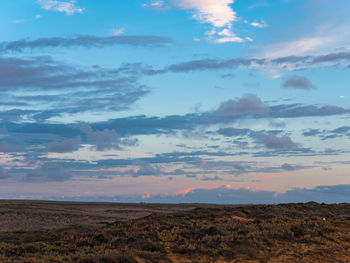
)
(289, 152)
(109, 140)
(281, 62)
(243, 168)
(114, 133)
(64, 146)
(76, 89)
(98, 89)
(233, 132)
(341, 130)
(146, 169)
(11, 146)
(48, 173)
(86, 41)
(298, 82)
(277, 124)
(3, 173)
(312, 132)
(272, 141)
(332, 57)
(228, 76)
(208, 178)
(225, 195)
(248, 104)
(299, 110)
(105, 140)
(329, 134)
(212, 64)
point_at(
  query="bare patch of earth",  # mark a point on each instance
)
(34, 215)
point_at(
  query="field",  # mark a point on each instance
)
(36, 231)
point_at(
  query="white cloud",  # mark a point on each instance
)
(19, 21)
(324, 40)
(218, 13)
(227, 36)
(154, 4)
(68, 7)
(257, 24)
(118, 31)
(298, 47)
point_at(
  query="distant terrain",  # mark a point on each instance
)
(40, 231)
(35, 215)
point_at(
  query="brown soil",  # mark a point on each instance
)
(35, 215)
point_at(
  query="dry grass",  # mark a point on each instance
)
(283, 233)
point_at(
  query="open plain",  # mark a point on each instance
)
(37, 231)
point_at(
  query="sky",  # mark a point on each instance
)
(212, 101)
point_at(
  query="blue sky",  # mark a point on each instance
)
(175, 100)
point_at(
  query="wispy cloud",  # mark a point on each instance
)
(157, 4)
(19, 21)
(87, 41)
(325, 39)
(73, 89)
(67, 7)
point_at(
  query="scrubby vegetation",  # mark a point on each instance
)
(283, 233)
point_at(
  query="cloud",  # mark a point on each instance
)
(300, 110)
(218, 13)
(298, 82)
(64, 146)
(328, 134)
(332, 57)
(279, 63)
(67, 7)
(228, 76)
(212, 179)
(327, 37)
(3, 173)
(87, 41)
(228, 195)
(19, 21)
(156, 4)
(233, 132)
(118, 31)
(312, 132)
(64, 88)
(272, 141)
(146, 169)
(341, 130)
(248, 104)
(256, 24)
(227, 112)
(48, 173)
(298, 47)
(109, 140)
(12, 146)
(227, 36)
(105, 140)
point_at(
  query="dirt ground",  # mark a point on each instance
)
(163, 233)
(34, 215)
